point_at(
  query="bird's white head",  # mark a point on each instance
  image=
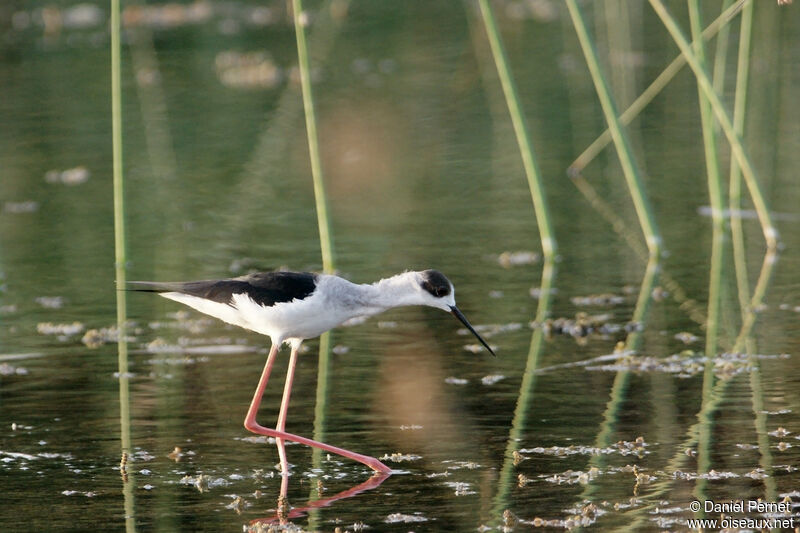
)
(435, 290)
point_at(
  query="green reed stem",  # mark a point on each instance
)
(521, 130)
(737, 149)
(323, 219)
(762, 436)
(525, 396)
(116, 141)
(721, 51)
(649, 94)
(711, 401)
(120, 260)
(320, 407)
(739, 259)
(715, 278)
(629, 168)
(707, 121)
(735, 178)
(619, 390)
(756, 301)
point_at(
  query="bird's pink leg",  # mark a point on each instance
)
(287, 393)
(251, 425)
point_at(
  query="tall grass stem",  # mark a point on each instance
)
(735, 177)
(532, 171)
(526, 393)
(120, 258)
(323, 220)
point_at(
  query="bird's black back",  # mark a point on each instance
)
(265, 288)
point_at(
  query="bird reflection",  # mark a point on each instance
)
(284, 512)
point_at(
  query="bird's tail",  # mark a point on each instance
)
(151, 286)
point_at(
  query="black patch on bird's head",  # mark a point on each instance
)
(435, 283)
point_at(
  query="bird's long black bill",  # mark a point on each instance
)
(456, 313)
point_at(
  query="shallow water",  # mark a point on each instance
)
(423, 171)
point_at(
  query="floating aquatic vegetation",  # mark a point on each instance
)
(400, 518)
(88, 493)
(238, 503)
(167, 15)
(400, 457)
(248, 70)
(636, 447)
(477, 348)
(70, 176)
(64, 331)
(757, 473)
(178, 361)
(183, 321)
(659, 294)
(460, 488)
(456, 381)
(780, 432)
(204, 483)
(10, 370)
(686, 337)
(710, 475)
(583, 516)
(604, 300)
(177, 454)
(355, 321)
(777, 412)
(512, 259)
(536, 292)
(572, 477)
(460, 465)
(412, 427)
(583, 326)
(271, 527)
(8, 457)
(387, 324)
(28, 206)
(50, 302)
(492, 379)
(340, 349)
(490, 330)
(95, 338)
(257, 439)
(685, 364)
(159, 346)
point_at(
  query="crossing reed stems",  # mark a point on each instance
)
(629, 167)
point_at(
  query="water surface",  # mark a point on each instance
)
(423, 171)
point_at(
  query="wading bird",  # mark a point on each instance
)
(290, 307)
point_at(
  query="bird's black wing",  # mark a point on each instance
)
(264, 288)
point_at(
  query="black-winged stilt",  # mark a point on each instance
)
(293, 306)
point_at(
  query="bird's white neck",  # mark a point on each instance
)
(396, 291)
